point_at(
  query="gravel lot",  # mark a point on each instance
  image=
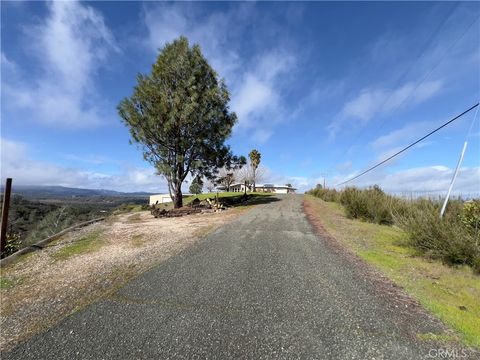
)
(45, 288)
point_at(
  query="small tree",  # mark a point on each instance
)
(254, 162)
(196, 186)
(226, 177)
(209, 185)
(245, 175)
(179, 115)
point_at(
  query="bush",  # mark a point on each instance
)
(447, 239)
(470, 217)
(369, 205)
(455, 239)
(13, 244)
(325, 194)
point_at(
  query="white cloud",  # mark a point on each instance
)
(166, 22)
(421, 179)
(378, 102)
(403, 135)
(69, 47)
(24, 170)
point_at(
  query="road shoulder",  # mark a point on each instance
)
(380, 254)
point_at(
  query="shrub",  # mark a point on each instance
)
(330, 195)
(13, 243)
(455, 239)
(371, 204)
(470, 217)
(447, 239)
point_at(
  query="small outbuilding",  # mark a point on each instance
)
(160, 199)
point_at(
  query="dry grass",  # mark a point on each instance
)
(43, 287)
(450, 293)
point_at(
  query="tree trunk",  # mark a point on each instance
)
(177, 198)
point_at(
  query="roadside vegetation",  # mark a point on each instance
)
(30, 221)
(393, 247)
(91, 242)
(454, 239)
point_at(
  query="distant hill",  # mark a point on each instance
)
(56, 192)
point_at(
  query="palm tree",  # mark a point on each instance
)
(254, 162)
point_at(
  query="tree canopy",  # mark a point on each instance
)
(179, 115)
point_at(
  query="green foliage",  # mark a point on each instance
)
(369, 205)
(179, 115)
(447, 238)
(126, 208)
(24, 215)
(255, 158)
(54, 222)
(89, 243)
(325, 194)
(453, 239)
(33, 221)
(13, 243)
(470, 217)
(196, 185)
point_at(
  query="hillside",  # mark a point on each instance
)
(60, 192)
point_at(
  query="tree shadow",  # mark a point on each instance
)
(251, 199)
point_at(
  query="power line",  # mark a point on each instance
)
(409, 146)
(419, 83)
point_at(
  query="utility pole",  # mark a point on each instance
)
(324, 177)
(465, 144)
(5, 207)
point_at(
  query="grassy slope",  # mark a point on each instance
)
(452, 294)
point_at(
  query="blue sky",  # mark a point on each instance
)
(318, 87)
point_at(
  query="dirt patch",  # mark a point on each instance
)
(43, 287)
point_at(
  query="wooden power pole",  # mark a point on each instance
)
(5, 207)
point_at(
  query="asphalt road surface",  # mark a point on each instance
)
(264, 286)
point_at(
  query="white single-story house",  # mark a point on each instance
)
(268, 188)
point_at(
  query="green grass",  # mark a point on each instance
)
(128, 208)
(7, 283)
(138, 240)
(450, 293)
(134, 218)
(88, 243)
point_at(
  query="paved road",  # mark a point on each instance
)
(262, 287)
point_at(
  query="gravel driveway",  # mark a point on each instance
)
(264, 286)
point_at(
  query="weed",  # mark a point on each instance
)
(86, 244)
